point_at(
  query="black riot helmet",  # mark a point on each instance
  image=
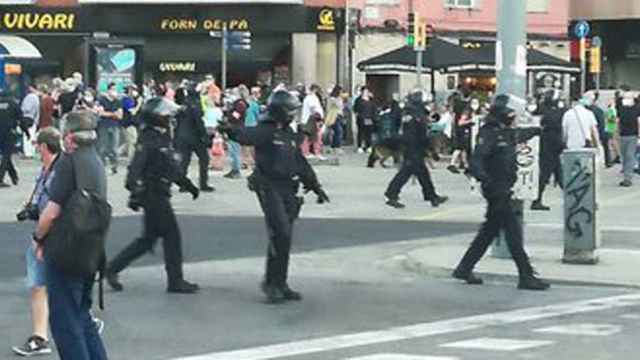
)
(159, 111)
(416, 106)
(501, 111)
(283, 106)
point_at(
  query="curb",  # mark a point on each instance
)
(412, 265)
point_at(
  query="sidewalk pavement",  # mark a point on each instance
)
(617, 267)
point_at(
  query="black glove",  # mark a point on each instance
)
(195, 192)
(134, 203)
(322, 196)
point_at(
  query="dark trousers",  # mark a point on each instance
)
(159, 222)
(607, 150)
(203, 160)
(411, 168)
(500, 216)
(280, 207)
(338, 134)
(73, 330)
(549, 165)
(6, 165)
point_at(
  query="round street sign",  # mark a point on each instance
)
(582, 29)
(596, 41)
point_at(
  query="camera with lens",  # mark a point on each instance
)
(30, 212)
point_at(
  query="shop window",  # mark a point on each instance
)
(465, 4)
(537, 6)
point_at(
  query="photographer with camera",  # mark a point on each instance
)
(48, 144)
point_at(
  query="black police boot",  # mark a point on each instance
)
(537, 205)
(394, 203)
(438, 200)
(453, 169)
(531, 282)
(207, 188)
(467, 276)
(113, 281)
(182, 287)
(233, 174)
(289, 294)
(274, 294)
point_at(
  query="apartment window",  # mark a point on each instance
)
(460, 3)
(537, 6)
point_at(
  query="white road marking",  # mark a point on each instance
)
(401, 357)
(631, 316)
(582, 329)
(337, 342)
(497, 344)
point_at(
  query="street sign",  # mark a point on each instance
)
(596, 41)
(215, 34)
(582, 29)
(239, 40)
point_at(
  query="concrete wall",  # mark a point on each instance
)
(604, 9)
(326, 69)
(304, 47)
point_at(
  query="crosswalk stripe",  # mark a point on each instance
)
(631, 316)
(337, 342)
(401, 357)
(497, 344)
(582, 329)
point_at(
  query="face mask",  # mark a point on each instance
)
(113, 93)
(561, 105)
(401, 105)
(88, 99)
(135, 94)
(531, 108)
(475, 105)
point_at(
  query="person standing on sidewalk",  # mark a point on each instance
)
(236, 116)
(152, 171)
(629, 117)
(10, 115)
(494, 164)
(30, 116)
(109, 126)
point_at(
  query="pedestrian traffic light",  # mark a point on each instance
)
(239, 40)
(596, 56)
(420, 35)
(411, 28)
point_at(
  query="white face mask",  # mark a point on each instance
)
(561, 105)
(475, 105)
(401, 105)
(532, 107)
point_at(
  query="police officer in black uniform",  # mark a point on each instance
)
(551, 146)
(153, 169)
(191, 135)
(494, 165)
(280, 168)
(10, 114)
(415, 142)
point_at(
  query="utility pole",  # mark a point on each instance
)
(347, 29)
(223, 57)
(511, 69)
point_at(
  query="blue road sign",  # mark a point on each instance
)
(582, 29)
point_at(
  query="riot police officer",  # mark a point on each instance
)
(551, 146)
(415, 142)
(280, 168)
(153, 169)
(494, 165)
(191, 135)
(10, 115)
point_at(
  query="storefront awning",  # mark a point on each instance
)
(18, 48)
(440, 56)
(447, 57)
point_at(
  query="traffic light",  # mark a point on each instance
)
(239, 40)
(595, 60)
(411, 28)
(420, 35)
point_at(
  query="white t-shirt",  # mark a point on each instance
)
(573, 119)
(311, 105)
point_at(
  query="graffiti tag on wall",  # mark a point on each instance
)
(579, 214)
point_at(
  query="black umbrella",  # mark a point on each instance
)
(440, 56)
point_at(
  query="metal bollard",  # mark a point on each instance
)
(581, 230)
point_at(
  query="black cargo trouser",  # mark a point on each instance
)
(500, 216)
(281, 207)
(185, 151)
(159, 222)
(409, 168)
(6, 165)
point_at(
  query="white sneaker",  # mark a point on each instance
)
(311, 156)
(321, 158)
(360, 151)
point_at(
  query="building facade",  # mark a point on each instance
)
(460, 21)
(616, 23)
(129, 40)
